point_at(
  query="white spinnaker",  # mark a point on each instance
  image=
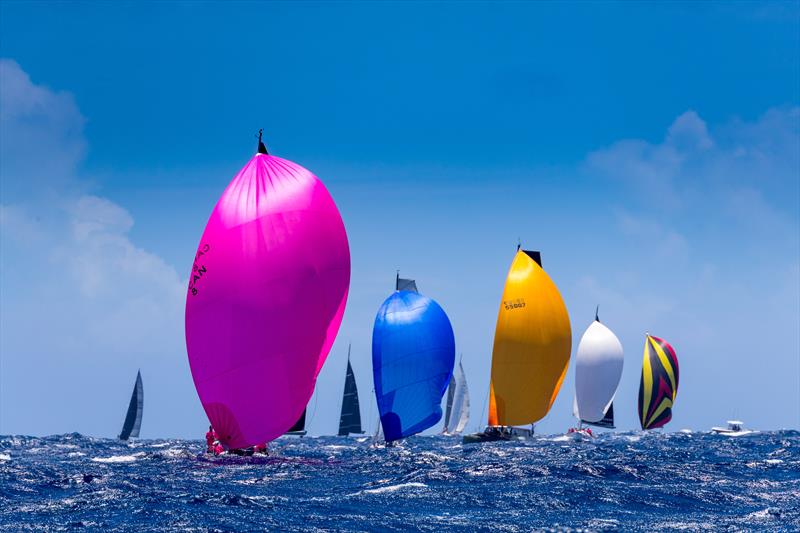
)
(598, 368)
(459, 416)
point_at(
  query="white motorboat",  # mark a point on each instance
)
(735, 429)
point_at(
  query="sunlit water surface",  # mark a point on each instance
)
(619, 481)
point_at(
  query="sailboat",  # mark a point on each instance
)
(133, 418)
(350, 418)
(532, 344)
(598, 369)
(456, 415)
(659, 385)
(266, 295)
(413, 351)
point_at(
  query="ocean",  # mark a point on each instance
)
(618, 481)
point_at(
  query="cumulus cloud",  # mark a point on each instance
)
(83, 306)
(707, 224)
(690, 162)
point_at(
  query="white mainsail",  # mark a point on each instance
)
(457, 415)
(598, 369)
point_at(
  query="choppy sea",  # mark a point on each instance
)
(618, 481)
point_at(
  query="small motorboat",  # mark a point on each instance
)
(735, 429)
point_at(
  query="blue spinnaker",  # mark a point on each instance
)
(413, 352)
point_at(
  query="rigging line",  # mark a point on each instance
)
(370, 407)
(485, 399)
(314, 412)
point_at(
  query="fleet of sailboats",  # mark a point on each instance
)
(276, 241)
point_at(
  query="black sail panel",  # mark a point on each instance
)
(403, 284)
(607, 421)
(133, 419)
(350, 419)
(300, 425)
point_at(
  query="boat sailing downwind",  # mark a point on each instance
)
(133, 418)
(266, 295)
(456, 415)
(531, 351)
(413, 351)
(350, 418)
(598, 369)
(659, 385)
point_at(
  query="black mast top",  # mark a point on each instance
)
(262, 149)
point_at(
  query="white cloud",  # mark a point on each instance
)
(690, 169)
(83, 306)
(707, 224)
(41, 132)
(689, 132)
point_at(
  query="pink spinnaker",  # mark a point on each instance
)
(266, 297)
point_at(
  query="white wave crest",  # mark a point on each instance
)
(118, 458)
(392, 488)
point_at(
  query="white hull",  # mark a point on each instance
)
(729, 433)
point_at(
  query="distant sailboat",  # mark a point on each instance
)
(659, 385)
(413, 351)
(598, 369)
(133, 419)
(350, 418)
(456, 414)
(532, 345)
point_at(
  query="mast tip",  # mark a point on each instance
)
(262, 149)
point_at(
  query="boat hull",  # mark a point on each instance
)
(730, 433)
(493, 434)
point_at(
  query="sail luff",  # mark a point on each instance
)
(133, 418)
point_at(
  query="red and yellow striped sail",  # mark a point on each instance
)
(659, 385)
(532, 345)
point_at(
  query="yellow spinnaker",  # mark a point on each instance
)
(532, 344)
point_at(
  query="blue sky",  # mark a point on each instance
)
(650, 151)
